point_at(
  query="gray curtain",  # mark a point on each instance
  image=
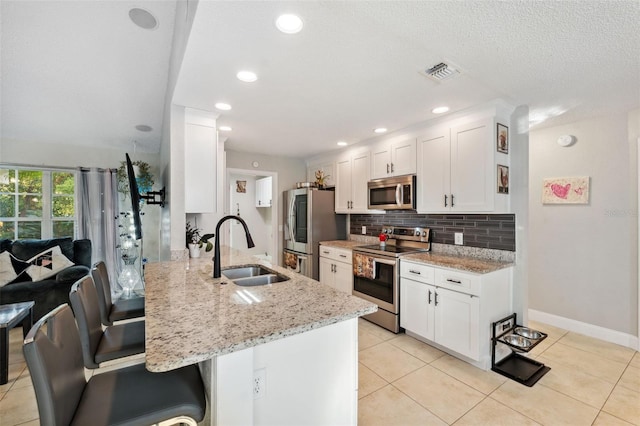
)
(98, 191)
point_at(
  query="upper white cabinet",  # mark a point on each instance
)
(352, 175)
(393, 159)
(327, 167)
(263, 192)
(457, 169)
(201, 159)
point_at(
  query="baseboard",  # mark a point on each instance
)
(608, 335)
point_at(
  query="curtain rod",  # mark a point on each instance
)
(42, 167)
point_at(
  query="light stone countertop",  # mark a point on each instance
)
(461, 262)
(191, 317)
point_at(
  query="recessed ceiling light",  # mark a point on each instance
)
(440, 110)
(224, 128)
(222, 106)
(143, 18)
(247, 76)
(380, 130)
(342, 143)
(289, 23)
(144, 128)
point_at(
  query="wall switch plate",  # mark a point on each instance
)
(364, 230)
(458, 238)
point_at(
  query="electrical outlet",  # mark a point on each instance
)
(259, 383)
(458, 238)
(364, 230)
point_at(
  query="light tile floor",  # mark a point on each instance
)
(406, 382)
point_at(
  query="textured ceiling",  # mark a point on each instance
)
(80, 72)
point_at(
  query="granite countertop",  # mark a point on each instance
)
(191, 317)
(462, 263)
(344, 244)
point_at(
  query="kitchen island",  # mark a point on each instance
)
(283, 353)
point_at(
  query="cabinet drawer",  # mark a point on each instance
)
(338, 254)
(458, 281)
(417, 271)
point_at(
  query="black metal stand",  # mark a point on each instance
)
(150, 197)
(520, 339)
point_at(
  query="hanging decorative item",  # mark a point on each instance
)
(144, 178)
(503, 179)
(241, 186)
(565, 190)
(502, 138)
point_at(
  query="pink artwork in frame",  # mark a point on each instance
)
(565, 190)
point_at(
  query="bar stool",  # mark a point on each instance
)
(128, 396)
(121, 309)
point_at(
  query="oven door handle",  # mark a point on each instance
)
(384, 261)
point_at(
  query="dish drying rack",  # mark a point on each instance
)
(519, 339)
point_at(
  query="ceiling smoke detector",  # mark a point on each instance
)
(441, 72)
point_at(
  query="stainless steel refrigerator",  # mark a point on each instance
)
(309, 218)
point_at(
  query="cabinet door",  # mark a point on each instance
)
(472, 167)
(457, 317)
(343, 277)
(433, 180)
(381, 161)
(403, 157)
(360, 178)
(200, 144)
(416, 314)
(343, 185)
(326, 271)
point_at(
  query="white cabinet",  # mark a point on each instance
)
(263, 192)
(457, 169)
(201, 160)
(453, 309)
(336, 268)
(327, 167)
(352, 175)
(393, 159)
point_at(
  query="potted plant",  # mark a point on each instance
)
(195, 240)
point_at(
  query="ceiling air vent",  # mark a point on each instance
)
(441, 72)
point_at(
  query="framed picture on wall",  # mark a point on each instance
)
(503, 179)
(502, 138)
(241, 186)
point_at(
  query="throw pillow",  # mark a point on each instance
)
(47, 264)
(10, 268)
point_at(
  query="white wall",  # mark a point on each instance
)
(583, 259)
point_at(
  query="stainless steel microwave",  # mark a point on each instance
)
(396, 193)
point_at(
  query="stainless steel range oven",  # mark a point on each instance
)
(377, 272)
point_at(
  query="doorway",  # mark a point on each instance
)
(253, 195)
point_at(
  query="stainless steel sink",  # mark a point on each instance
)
(253, 275)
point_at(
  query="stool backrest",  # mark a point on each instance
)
(55, 365)
(84, 301)
(103, 287)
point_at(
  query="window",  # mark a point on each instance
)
(37, 203)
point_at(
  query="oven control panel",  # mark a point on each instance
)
(412, 234)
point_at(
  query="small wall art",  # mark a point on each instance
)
(502, 138)
(565, 190)
(241, 186)
(503, 179)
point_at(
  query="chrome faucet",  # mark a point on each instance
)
(216, 253)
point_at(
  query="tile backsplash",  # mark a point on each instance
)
(494, 231)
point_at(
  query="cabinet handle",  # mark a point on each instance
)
(429, 300)
(343, 255)
(387, 167)
(391, 167)
(451, 200)
(259, 202)
(454, 281)
(414, 272)
(435, 300)
(325, 252)
(445, 200)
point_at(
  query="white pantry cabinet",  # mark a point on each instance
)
(352, 175)
(453, 309)
(201, 162)
(264, 192)
(393, 159)
(336, 268)
(457, 169)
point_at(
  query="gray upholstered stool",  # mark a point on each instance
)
(128, 396)
(121, 309)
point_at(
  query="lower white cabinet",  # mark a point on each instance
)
(336, 268)
(453, 309)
